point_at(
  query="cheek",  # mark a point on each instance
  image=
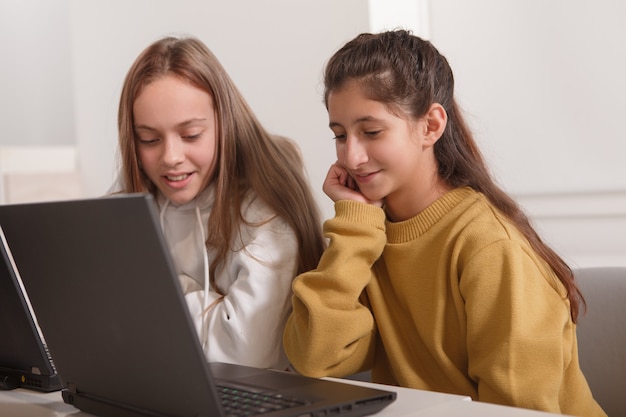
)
(392, 150)
(209, 160)
(141, 157)
(147, 158)
(207, 154)
(339, 149)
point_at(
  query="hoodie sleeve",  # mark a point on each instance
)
(246, 325)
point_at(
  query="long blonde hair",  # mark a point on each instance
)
(248, 158)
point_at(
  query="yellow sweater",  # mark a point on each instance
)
(455, 301)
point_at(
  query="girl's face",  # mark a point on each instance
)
(389, 157)
(175, 129)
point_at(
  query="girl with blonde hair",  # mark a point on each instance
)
(235, 205)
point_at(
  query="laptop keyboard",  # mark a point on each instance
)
(238, 402)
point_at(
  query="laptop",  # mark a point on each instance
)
(101, 281)
(24, 359)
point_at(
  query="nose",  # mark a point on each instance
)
(173, 151)
(354, 153)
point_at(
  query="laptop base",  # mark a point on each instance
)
(100, 407)
(12, 379)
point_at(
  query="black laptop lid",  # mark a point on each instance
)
(80, 325)
(24, 361)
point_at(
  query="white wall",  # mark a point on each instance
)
(542, 82)
(35, 73)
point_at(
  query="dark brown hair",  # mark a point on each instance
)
(409, 74)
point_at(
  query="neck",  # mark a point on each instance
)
(406, 205)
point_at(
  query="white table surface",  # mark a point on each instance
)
(418, 403)
(409, 402)
(478, 409)
(26, 403)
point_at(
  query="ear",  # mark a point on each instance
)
(436, 119)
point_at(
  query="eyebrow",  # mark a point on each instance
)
(356, 122)
(178, 126)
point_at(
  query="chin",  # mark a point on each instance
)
(179, 199)
(374, 196)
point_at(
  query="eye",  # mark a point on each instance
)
(148, 141)
(192, 137)
(372, 133)
(191, 134)
(339, 135)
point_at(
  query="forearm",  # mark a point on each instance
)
(330, 332)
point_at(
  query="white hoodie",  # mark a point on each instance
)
(246, 326)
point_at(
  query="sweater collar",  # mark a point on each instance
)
(414, 227)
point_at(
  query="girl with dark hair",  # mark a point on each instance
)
(433, 278)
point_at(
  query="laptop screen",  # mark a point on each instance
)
(24, 360)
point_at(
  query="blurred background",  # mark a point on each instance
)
(542, 83)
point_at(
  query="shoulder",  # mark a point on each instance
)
(479, 220)
(254, 209)
(462, 215)
(489, 241)
(259, 216)
(263, 235)
(478, 230)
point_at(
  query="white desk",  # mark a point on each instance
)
(418, 403)
(410, 402)
(478, 409)
(26, 403)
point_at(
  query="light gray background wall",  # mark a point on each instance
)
(542, 82)
(36, 85)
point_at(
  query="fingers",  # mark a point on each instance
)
(351, 183)
(339, 185)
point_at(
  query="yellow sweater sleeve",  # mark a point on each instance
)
(520, 338)
(330, 332)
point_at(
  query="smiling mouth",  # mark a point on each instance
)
(364, 175)
(177, 177)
